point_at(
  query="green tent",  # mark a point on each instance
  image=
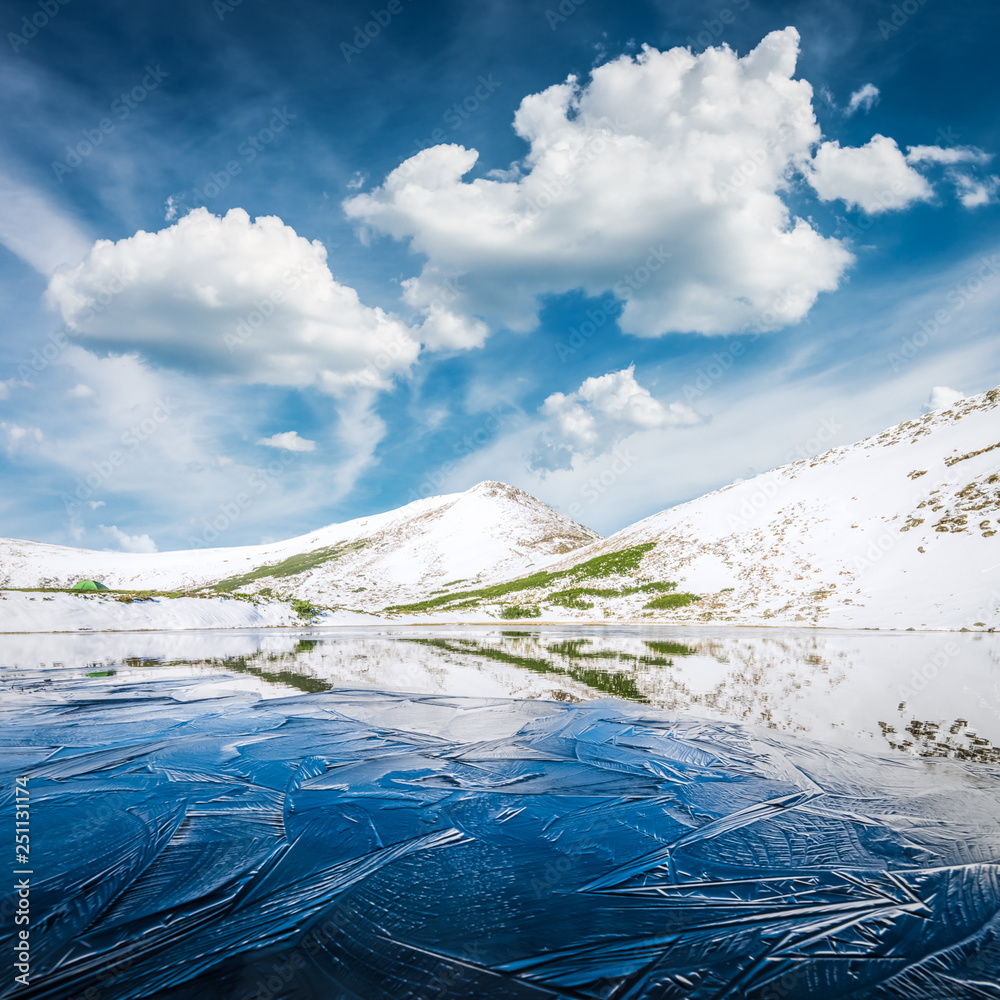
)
(88, 585)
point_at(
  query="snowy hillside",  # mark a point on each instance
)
(897, 531)
(491, 531)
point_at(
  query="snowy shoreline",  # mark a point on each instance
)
(27, 613)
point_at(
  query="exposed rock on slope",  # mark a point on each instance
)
(899, 530)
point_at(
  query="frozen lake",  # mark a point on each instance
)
(935, 693)
(511, 812)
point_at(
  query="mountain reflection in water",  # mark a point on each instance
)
(929, 694)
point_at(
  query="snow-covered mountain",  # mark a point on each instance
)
(490, 532)
(901, 530)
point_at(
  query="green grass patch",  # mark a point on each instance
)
(572, 597)
(126, 596)
(618, 563)
(521, 611)
(295, 565)
(305, 610)
(668, 601)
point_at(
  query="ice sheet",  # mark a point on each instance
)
(359, 843)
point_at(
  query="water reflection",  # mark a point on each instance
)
(927, 694)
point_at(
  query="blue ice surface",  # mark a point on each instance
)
(364, 844)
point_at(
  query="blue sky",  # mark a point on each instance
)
(269, 266)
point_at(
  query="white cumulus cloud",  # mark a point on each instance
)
(21, 438)
(288, 441)
(875, 177)
(942, 397)
(972, 191)
(250, 300)
(668, 157)
(946, 154)
(126, 542)
(599, 414)
(865, 98)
